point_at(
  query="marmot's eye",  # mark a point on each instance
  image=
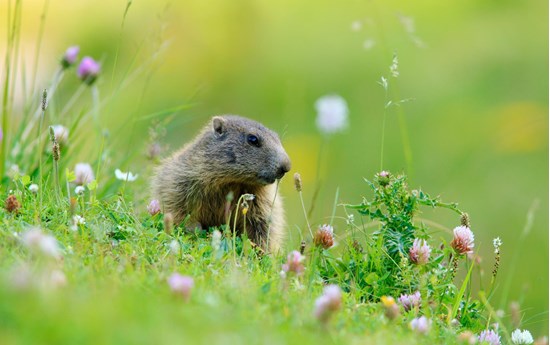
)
(253, 140)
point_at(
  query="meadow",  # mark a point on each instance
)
(418, 133)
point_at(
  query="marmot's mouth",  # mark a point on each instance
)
(264, 179)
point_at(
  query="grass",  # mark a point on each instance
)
(104, 280)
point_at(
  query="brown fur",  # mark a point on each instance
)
(196, 180)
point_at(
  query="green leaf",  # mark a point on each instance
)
(25, 180)
(92, 185)
(70, 175)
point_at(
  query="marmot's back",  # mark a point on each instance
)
(231, 154)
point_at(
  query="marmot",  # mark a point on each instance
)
(231, 154)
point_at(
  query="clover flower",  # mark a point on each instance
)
(463, 241)
(490, 337)
(88, 70)
(324, 237)
(70, 56)
(328, 303)
(84, 174)
(41, 243)
(522, 337)
(33, 188)
(391, 310)
(410, 301)
(332, 114)
(125, 176)
(420, 252)
(12, 205)
(154, 207)
(420, 324)
(79, 190)
(61, 134)
(79, 220)
(181, 285)
(294, 263)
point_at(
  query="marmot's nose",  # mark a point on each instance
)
(284, 167)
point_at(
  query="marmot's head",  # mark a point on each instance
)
(243, 150)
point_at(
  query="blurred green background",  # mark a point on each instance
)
(477, 128)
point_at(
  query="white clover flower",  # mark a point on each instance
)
(79, 190)
(61, 133)
(33, 188)
(125, 176)
(522, 337)
(332, 114)
(497, 242)
(78, 220)
(84, 174)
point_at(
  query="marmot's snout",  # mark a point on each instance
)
(284, 166)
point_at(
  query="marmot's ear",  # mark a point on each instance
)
(218, 124)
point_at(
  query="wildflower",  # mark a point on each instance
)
(154, 150)
(248, 197)
(522, 337)
(391, 310)
(421, 324)
(298, 182)
(328, 303)
(79, 190)
(463, 241)
(79, 220)
(12, 205)
(383, 178)
(216, 240)
(57, 279)
(332, 114)
(33, 188)
(174, 247)
(294, 263)
(154, 207)
(61, 134)
(420, 252)
(497, 242)
(83, 174)
(70, 56)
(181, 285)
(410, 301)
(125, 176)
(489, 337)
(88, 70)
(394, 67)
(467, 337)
(324, 237)
(42, 243)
